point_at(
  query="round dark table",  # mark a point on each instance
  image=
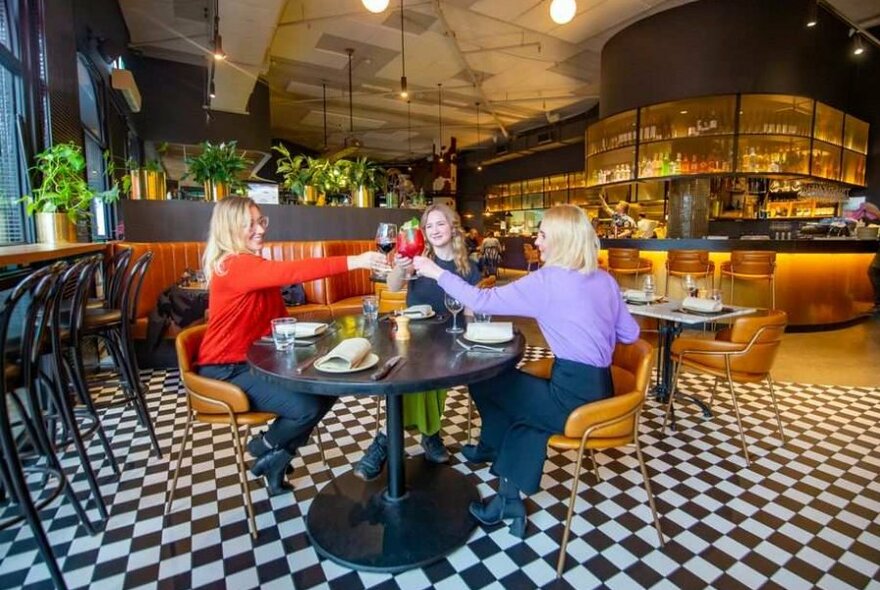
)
(420, 515)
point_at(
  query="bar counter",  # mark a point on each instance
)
(821, 283)
(30, 253)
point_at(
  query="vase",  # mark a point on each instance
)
(362, 197)
(55, 228)
(216, 191)
(148, 185)
(311, 196)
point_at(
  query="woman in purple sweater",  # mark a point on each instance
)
(580, 313)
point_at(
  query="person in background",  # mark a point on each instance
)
(580, 313)
(244, 297)
(645, 227)
(445, 246)
(490, 254)
(622, 224)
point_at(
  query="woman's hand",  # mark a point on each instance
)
(369, 261)
(403, 263)
(427, 267)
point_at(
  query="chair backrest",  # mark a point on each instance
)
(631, 374)
(530, 252)
(73, 300)
(766, 329)
(752, 262)
(692, 261)
(113, 288)
(37, 287)
(390, 300)
(206, 396)
(131, 286)
(624, 258)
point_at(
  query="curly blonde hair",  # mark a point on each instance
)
(459, 249)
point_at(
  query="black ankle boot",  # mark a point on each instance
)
(258, 446)
(501, 508)
(478, 453)
(273, 466)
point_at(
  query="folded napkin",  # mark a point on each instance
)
(307, 329)
(347, 355)
(635, 295)
(489, 331)
(704, 305)
(418, 311)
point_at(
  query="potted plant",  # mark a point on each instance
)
(217, 168)
(330, 178)
(296, 174)
(364, 178)
(148, 181)
(63, 197)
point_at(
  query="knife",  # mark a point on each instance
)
(383, 371)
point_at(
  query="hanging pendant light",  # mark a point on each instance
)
(440, 117)
(479, 140)
(404, 93)
(562, 11)
(375, 6)
(409, 133)
(218, 53)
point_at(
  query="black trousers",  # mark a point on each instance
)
(298, 413)
(520, 412)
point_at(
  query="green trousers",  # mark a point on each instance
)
(424, 410)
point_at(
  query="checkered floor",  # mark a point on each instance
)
(804, 515)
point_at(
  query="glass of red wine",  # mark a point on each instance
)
(386, 236)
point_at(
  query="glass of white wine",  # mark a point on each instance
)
(454, 306)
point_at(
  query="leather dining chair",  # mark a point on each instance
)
(624, 262)
(742, 353)
(210, 401)
(605, 424)
(680, 263)
(749, 265)
(532, 256)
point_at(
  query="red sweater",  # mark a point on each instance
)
(244, 300)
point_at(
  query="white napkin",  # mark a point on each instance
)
(347, 355)
(418, 311)
(489, 331)
(634, 295)
(307, 329)
(704, 305)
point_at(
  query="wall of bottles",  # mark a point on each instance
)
(751, 133)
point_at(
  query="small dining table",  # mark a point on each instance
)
(419, 512)
(672, 319)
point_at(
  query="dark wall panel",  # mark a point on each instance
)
(173, 96)
(60, 40)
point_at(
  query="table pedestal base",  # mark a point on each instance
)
(356, 524)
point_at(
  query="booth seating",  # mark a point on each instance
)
(326, 298)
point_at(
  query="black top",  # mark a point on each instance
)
(432, 360)
(425, 291)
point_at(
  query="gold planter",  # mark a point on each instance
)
(148, 185)
(362, 197)
(216, 191)
(55, 228)
(311, 196)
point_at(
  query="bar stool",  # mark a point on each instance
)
(751, 265)
(680, 263)
(626, 262)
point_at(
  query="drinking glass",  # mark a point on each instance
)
(410, 243)
(690, 286)
(284, 333)
(454, 306)
(648, 288)
(371, 307)
(386, 235)
(480, 318)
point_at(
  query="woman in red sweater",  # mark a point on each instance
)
(244, 297)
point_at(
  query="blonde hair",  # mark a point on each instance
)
(573, 241)
(459, 249)
(230, 217)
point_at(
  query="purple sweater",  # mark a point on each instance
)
(581, 316)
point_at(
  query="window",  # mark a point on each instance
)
(90, 113)
(11, 211)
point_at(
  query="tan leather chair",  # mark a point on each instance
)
(743, 353)
(680, 263)
(751, 265)
(211, 401)
(532, 255)
(605, 424)
(626, 262)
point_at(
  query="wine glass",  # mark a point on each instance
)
(386, 234)
(410, 243)
(454, 306)
(648, 288)
(690, 286)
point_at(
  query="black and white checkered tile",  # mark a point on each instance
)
(803, 515)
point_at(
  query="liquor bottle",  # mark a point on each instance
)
(676, 165)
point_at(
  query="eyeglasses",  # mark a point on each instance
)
(262, 222)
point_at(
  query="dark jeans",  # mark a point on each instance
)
(298, 413)
(520, 412)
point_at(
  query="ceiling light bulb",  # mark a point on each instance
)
(562, 11)
(858, 45)
(812, 22)
(375, 6)
(404, 93)
(219, 54)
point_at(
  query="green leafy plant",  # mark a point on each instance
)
(293, 169)
(362, 172)
(217, 163)
(63, 187)
(328, 177)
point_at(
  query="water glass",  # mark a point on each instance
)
(648, 288)
(371, 307)
(454, 306)
(284, 333)
(480, 318)
(690, 286)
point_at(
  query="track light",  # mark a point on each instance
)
(404, 93)
(813, 14)
(858, 46)
(211, 91)
(562, 11)
(375, 6)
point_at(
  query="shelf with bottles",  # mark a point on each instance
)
(614, 166)
(774, 154)
(775, 114)
(611, 133)
(799, 209)
(706, 155)
(698, 117)
(826, 160)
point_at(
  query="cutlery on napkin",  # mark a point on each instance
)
(386, 368)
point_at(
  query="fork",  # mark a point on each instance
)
(478, 347)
